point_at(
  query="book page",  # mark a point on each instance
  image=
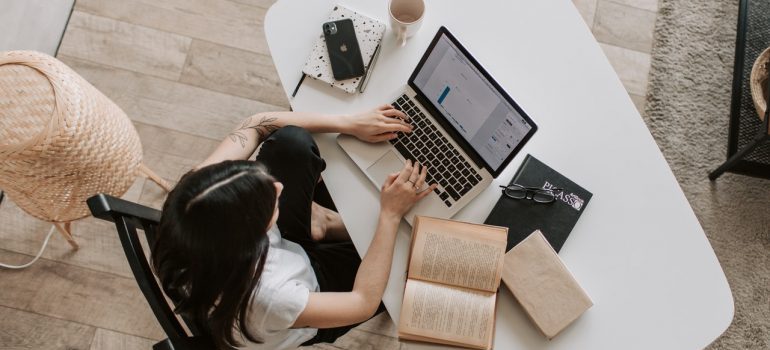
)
(458, 254)
(441, 312)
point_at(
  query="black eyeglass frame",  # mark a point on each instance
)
(530, 192)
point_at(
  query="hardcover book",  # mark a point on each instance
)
(454, 272)
(543, 285)
(523, 216)
(369, 33)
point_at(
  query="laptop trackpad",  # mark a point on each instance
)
(386, 165)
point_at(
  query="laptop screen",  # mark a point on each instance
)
(471, 102)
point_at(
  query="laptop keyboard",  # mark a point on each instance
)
(427, 145)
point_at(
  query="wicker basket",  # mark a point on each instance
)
(61, 140)
(758, 82)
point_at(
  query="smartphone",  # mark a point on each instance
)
(344, 53)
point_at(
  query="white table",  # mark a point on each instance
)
(638, 249)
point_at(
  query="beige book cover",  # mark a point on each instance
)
(540, 281)
(451, 289)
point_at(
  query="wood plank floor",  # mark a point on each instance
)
(186, 71)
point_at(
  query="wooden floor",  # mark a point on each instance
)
(186, 71)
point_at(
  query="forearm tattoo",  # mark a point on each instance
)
(264, 127)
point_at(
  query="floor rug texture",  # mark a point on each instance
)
(687, 110)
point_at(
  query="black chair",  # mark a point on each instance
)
(128, 217)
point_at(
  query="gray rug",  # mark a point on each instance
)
(687, 110)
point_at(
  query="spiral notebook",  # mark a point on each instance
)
(369, 33)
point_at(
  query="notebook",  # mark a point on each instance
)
(555, 220)
(369, 33)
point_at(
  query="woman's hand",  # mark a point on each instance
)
(401, 190)
(380, 124)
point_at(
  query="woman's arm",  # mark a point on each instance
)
(328, 309)
(377, 125)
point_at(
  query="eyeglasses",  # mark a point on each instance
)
(536, 194)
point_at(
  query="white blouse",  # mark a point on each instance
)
(281, 295)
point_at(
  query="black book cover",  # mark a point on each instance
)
(523, 216)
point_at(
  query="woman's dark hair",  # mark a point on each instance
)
(212, 244)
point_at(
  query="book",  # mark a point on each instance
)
(369, 33)
(453, 275)
(543, 285)
(523, 216)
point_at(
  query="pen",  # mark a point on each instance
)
(365, 79)
(298, 85)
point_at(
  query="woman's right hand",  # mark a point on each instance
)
(401, 190)
(378, 125)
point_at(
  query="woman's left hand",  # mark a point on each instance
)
(380, 124)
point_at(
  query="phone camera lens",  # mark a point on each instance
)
(330, 28)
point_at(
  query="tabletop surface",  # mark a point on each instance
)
(638, 249)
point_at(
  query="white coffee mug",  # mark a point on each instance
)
(406, 17)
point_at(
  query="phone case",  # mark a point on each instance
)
(344, 53)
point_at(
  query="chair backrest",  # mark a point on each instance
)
(128, 217)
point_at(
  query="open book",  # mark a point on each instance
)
(451, 288)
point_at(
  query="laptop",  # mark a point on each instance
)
(466, 130)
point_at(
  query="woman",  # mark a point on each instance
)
(250, 258)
